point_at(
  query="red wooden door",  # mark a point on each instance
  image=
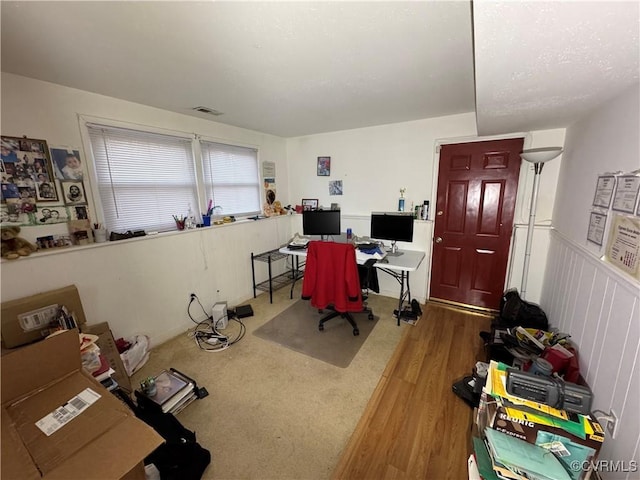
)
(477, 185)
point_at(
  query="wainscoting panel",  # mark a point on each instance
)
(600, 308)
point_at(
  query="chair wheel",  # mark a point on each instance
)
(356, 332)
(371, 317)
(321, 327)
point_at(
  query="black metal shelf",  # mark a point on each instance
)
(272, 283)
(278, 281)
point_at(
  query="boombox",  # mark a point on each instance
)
(552, 391)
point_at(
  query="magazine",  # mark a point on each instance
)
(167, 385)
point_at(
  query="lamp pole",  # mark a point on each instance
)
(532, 222)
(537, 156)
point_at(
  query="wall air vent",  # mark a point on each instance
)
(208, 111)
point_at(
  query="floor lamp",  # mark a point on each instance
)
(537, 156)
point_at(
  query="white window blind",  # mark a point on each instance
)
(143, 178)
(231, 178)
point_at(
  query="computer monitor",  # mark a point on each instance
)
(321, 222)
(394, 226)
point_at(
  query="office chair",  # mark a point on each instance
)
(332, 281)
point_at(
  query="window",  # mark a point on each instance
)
(145, 178)
(231, 178)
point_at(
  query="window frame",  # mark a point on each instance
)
(259, 183)
(95, 202)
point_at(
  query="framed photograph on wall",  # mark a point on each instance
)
(67, 163)
(309, 203)
(324, 166)
(73, 192)
(26, 162)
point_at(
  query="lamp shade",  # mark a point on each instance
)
(540, 155)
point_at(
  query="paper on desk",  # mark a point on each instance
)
(362, 256)
(298, 240)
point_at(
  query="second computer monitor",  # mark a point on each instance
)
(394, 226)
(321, 222)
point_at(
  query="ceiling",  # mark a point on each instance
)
(299, 68)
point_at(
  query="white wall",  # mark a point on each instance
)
(375, 162)
(139, 286)
(605, 141)
(586, 297)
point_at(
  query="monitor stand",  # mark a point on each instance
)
(394, 250)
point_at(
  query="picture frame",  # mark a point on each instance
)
(335, 187)
(26, 162)
(67, 163)
(324, 166)
(73, 192)
(309, 204)
(51, 214)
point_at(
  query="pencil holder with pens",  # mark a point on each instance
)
(206, 220)
(99, 233)
(180, 221)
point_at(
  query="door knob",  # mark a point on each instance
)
(440, 212)
(438, 239)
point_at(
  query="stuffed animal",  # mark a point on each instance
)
(277, 208)
(14, 246)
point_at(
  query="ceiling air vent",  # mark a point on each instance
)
(208, 111)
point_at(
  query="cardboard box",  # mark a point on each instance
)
(14, 334)
(578, 439)
(108, 348)
(105, 440)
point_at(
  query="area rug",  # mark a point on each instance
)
(296, 328)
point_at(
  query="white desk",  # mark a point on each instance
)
(398, 267)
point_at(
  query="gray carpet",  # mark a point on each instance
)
(296, 328)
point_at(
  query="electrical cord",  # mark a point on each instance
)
(603, 415)
(195, 297)
(205, 334)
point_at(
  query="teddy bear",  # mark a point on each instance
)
(14, 246)
(278, 209)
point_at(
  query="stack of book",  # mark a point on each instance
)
(173, 392)
(504, 457)
(103, 374)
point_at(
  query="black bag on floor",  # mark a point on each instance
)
(180, 460)
(181, 457)
(516, 312)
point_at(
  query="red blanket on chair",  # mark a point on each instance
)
(331, 277)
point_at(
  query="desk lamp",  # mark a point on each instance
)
(537, 156)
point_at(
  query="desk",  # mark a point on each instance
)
(398, 267)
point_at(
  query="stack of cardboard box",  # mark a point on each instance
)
(574, 439)
(57, 421)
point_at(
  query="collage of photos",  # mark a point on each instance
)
(41, 186)
(27, 177)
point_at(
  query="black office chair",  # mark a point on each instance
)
(332, 281)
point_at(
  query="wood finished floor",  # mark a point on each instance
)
(414, 426)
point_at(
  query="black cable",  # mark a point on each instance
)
(197, 322)
(241, 333)
(202, 335)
